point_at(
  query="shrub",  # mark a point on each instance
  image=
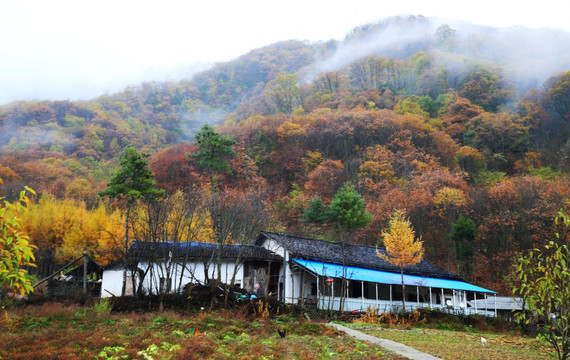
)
(102, 307)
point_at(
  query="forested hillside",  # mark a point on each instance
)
(464, 127)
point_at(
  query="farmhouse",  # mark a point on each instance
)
(305, 271)
(166, 267)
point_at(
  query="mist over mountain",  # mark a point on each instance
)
(22, 80)
(446, 119)
(530, 56)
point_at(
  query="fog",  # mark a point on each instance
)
(529, 56)
(56, 82)
(70, 49)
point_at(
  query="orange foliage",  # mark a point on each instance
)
(173, 170)
(326, 179)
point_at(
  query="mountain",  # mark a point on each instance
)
(443, 118)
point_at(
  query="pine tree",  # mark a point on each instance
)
(213, 152)
(132, 182)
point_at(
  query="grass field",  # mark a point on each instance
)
(451, 345)
(56, 331)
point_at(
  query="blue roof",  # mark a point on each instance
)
(384, 277)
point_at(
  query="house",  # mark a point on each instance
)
(301, 271)
(316, 271)
(166, 267)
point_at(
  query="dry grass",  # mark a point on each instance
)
(55, 331)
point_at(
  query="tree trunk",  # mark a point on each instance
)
(403, 290)
(125, 259)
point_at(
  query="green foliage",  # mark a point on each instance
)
(347, 209)
(545, 173)
(428, 105)
(16, 252)
(112, 353)
(545, 287)
(154, 349)
(489, 178)
(102, 307)
(284, 92)
(463, 232)
(463, 229)
(411, 105)
(133, 180)
(213, 150)
(316, 211)
(558, 94)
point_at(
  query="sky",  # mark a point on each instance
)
(74, 49)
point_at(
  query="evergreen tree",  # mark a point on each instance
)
(132, 182)
(463, 232)
(347, 209)
(316, 211)
(214, 152)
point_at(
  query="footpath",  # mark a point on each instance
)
(393, 346)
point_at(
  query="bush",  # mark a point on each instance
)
(103, 307)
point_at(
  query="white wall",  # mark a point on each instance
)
(193, 272)
(112, 283)
(285, 271)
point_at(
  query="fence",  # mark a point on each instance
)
(361, 305)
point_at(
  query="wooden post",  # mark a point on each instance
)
(430, 300)
(495, 295)
(362, 293)
(377, 304)
(84, 274)
(453, 301)
(418, 296)
(475, 296)
(332, 294)
(318, 291)
(391, 305)
(442, 300)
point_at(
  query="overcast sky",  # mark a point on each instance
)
(79, 49)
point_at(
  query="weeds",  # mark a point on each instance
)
(49, 331)
(112, 353)
(261, 310)
(371, 315)
(103, 307)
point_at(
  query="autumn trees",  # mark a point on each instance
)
(429, 129)
(16, 251)
(401, 246)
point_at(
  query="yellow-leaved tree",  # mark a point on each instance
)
(402, 248)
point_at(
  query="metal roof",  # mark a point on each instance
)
(385, 277)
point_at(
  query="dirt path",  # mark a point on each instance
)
(393, 346)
